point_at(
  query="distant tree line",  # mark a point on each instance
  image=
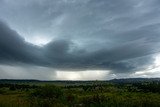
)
(18, 86)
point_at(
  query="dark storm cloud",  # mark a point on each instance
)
(63, 54)
(13, 47)
(121, 36)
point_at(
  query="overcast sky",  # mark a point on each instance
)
(79, 39)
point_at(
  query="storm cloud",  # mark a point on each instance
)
(75, 35)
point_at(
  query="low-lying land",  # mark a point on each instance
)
(114, 93)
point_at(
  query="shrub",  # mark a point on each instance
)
(46, 96)
(48, 91)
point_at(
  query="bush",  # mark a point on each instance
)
(2, 91)
(48, 91)
(46, 96)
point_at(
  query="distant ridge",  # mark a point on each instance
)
(134, 80)
(122, 80)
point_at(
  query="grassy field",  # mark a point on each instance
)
(80, 94)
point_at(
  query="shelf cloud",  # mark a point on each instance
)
(117, 36)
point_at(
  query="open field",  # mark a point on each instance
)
(114, 93)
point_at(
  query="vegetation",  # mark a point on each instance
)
(80, 94)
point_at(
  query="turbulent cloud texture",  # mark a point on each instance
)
(121, 36)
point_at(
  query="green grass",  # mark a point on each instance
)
(13, 100)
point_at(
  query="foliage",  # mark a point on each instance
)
(99, 94)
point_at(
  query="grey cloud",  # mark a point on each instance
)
(26, 72)
(62, 54)
(121, 36)
(13, 47)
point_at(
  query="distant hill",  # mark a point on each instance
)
(134, 80)
(124, 80)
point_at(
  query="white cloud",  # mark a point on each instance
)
(151, 71)
(38, 39)
(82, 75)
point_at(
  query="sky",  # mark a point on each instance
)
(79, 39)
